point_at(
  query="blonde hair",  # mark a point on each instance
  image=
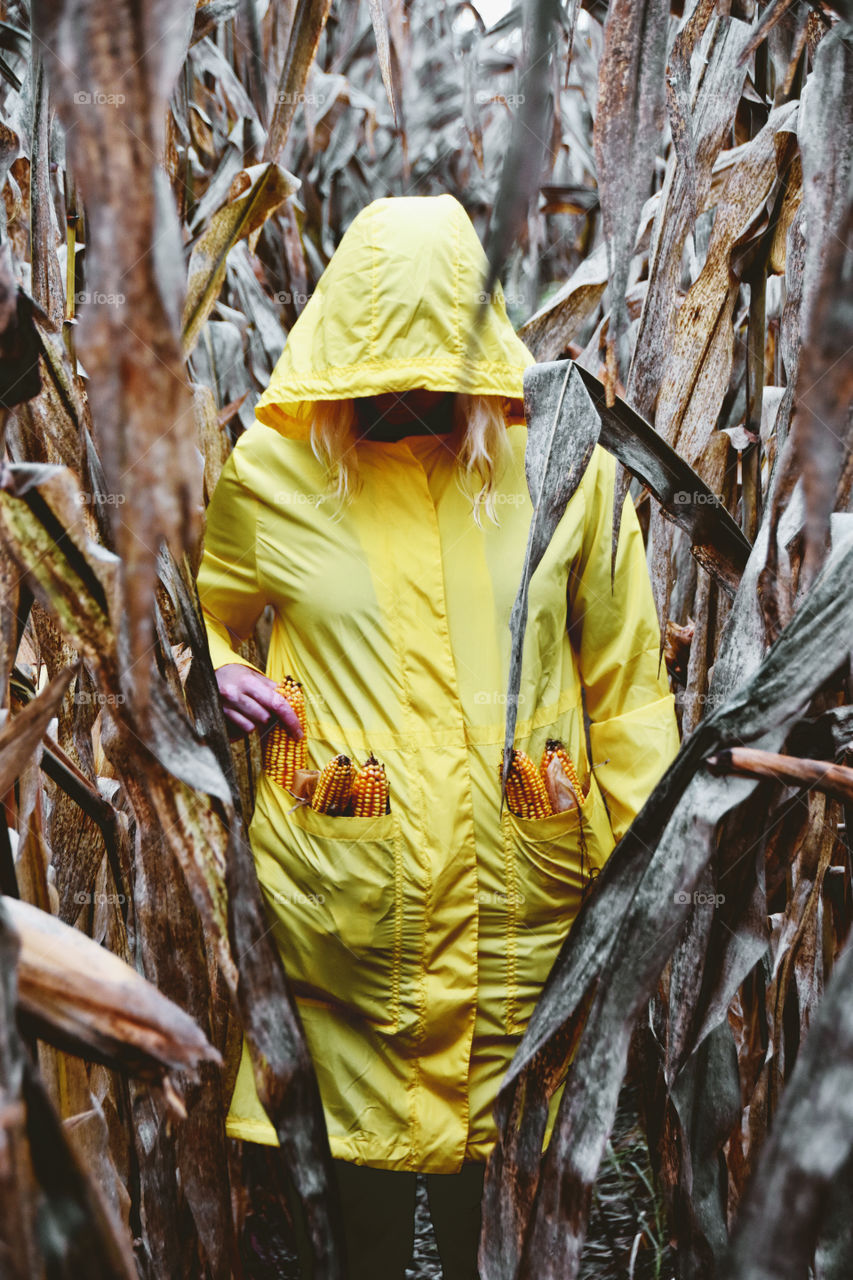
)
(479, 440)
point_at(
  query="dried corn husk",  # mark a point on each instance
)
(561, 793)
(90, 1001)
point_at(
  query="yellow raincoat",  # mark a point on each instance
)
(417, 943)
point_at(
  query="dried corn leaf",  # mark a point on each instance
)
(129, 335)
(678, 94)
(20, 378)
(255, 194)
(47, 287)
(537, 1206)
(715, 539)
(471, 111)
(44, 534)
(73, 1233)
(284, 1073)
(32, 855)
(308, 22)
(771, 15)
(213, 440)
(562, 430)
(698, 363)
(48, 427)
(549, 330)
(379, 18)
(822, 440)
(810, 1141)
(212, 66)
(78, 1235)
(266, 335)
(19, 1255)
(283, 1070)
(725, 939)
(21, 735)
(91, 999)
(210, 14)
(104, 829)
(628, 124)
(714, 92)
(522, 170)
(180, 951)
(86, 1128)
(168, 810)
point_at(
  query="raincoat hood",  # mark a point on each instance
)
(395, 310)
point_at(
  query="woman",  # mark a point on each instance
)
(380, 505)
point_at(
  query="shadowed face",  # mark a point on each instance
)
(384, 416)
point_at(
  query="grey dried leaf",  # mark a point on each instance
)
(562, 430)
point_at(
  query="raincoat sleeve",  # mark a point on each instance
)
(633, 729)
(231, 595)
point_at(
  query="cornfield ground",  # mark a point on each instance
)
(665, 192)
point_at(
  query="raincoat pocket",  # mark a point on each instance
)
(548, 862)
(336, 891)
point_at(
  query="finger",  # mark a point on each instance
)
(248, 706)
(279, 706)
(290, 719)
(240, 722)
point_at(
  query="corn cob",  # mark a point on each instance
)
(370, 790)
(526, 794)
(554, 748)
(283, 755)
(334, 786)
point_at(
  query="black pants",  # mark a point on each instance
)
(379, 1220)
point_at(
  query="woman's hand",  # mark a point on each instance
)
(250, 701)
